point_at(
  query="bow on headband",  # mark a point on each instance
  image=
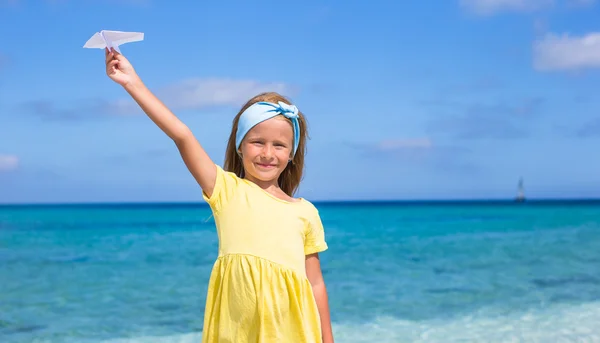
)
(261, 111)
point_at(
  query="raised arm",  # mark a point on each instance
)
(194, 156)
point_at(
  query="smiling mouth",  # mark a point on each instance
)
(262, 165)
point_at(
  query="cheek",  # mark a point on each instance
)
(249, 151)
(284, 154)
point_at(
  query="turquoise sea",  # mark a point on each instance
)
(396, 271)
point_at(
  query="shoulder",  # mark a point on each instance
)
(229, 178)
(226, 173)
(226, 186)
(309, 205)
(310, 210)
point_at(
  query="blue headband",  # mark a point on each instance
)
(261, 111)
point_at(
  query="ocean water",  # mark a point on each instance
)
(396, 272)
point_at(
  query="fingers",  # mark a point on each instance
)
(112, 67)
(113, 64)
(108, 56)
(114, 61)
(111, 54)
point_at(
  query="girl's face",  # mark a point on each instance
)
(266, 150)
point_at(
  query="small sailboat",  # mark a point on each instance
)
(520, 192)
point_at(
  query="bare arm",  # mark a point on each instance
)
(315, 276)
(194, 156)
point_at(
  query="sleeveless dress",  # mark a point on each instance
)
(258, 289)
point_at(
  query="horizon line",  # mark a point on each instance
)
(330, 201)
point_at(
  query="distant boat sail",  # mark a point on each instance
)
(521, 192)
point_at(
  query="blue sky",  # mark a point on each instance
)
(405, 100)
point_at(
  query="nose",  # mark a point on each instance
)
(267, 151)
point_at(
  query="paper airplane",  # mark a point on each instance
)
(112, 39)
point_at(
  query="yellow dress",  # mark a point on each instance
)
(258, 290)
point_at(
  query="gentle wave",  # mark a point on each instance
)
(555, 324)
(574, 323)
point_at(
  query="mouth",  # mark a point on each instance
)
(265, 165)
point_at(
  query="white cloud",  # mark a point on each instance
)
(8, 162)
(564, 52)
(191, 94)
(199, 93)
(489, 7)
(202, 93)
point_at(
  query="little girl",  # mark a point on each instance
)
(266, 284)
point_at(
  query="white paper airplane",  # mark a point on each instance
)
(112, 39)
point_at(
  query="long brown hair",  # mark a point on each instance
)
(290, 178)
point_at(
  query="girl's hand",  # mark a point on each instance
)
(119, 69)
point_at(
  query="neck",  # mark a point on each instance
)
(266, 185)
